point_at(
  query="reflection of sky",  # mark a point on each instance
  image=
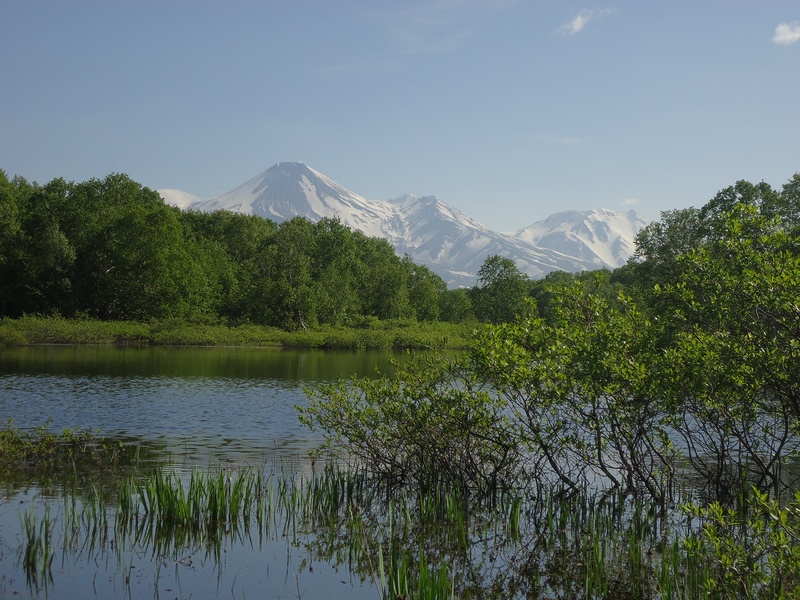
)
(231, 415)
(272, 565)
(154, 405)
(232, 404)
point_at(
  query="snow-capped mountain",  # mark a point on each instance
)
(602, 236)
(434, 233)
(290, 189)
(455, 246)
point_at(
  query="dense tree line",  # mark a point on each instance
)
(112, 249)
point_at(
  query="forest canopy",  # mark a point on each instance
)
(111, 249)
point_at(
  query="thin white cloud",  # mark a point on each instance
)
(627, 202)
(178, 198)
(582, 19)
(787, 33)
(578, 23)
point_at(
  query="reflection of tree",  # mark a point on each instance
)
(486, 553)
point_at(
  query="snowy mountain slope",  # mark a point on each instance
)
(455, 246)
(288, 190)
(434, 233)
(602, 236)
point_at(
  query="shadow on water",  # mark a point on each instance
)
(303, 366)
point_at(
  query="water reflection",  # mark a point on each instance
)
(305, 366)
(302, 537)
(205, 405)
(182, 409)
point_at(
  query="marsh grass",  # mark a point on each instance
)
(68, 456)
(433, 544)
(332, 512)
(370, 334)
(162, 509)
(398, 580)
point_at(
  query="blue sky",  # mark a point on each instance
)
(508, 110)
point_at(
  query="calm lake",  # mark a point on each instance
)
(194, 407)
(199, 427)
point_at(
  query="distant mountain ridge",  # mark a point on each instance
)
(432, 232)
(602, 236)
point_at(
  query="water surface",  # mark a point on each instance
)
(189, 408)
(205, 404)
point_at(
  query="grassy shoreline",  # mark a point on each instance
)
(374, 334)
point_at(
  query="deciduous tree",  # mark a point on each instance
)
(502, 289)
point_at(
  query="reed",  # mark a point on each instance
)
(514, 518)
(72, 522)
(38, 553)
(411, 543)
(210, 502)
(401, 578)
(94, 518)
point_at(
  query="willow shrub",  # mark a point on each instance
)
(36, 329)
(432, 424)
(584, 393)
(751, 551)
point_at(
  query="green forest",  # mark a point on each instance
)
(111, 250)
